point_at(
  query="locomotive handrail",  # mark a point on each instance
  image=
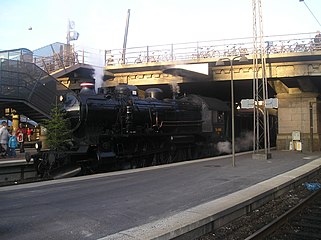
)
(180, 123)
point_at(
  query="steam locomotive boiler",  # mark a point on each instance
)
(121, 127)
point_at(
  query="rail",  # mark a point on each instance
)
(274, 226)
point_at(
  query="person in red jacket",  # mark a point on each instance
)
(29, 133)
(20, 134)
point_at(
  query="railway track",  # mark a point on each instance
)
(300, 222)
(275, 216)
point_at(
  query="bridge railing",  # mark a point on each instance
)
(25, 81)
(55, 60)
(50, 60)
(69, 55)
(277, 44)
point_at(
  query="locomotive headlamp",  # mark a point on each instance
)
(61, 98)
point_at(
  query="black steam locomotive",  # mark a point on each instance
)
(124, 127)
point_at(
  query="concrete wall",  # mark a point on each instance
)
(143, 78)
(294, 115)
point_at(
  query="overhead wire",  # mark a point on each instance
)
(311, 12)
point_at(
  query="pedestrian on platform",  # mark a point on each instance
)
(20, 134)
(29, 133)
(4, 137)
(12, 144)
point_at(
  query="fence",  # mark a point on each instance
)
(303, 42)
(69, 55)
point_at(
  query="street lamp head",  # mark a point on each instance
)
(220, 62)
(243, 59)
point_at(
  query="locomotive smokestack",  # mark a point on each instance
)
(87, 88)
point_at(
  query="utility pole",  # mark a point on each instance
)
(125, 37)
(260, 87)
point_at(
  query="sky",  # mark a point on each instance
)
(101, 23)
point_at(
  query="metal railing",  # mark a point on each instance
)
(51, 62)
(26, 82)
(55, 61)
(70, 55)
(277, 44)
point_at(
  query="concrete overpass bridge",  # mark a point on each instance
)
(293, 72)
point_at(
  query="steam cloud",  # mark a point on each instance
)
(242, 143)
(96, 60)
(224, 147)
(99, 73)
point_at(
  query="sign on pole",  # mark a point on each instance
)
(269, 103)
(247, 103)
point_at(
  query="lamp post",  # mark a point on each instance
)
(220, 62)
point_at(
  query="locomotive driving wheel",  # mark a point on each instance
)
(45, 165)
(163, 156)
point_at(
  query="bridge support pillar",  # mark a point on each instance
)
(295, 114)
(15, 121)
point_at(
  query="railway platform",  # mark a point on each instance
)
(180, 200)
(16, 169)
(20, 158)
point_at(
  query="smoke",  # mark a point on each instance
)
(95, 58)
(99, 73)
(242, 143)
(175, 89)
(99, 68)
(224, 147)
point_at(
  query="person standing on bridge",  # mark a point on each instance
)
(317, 41)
